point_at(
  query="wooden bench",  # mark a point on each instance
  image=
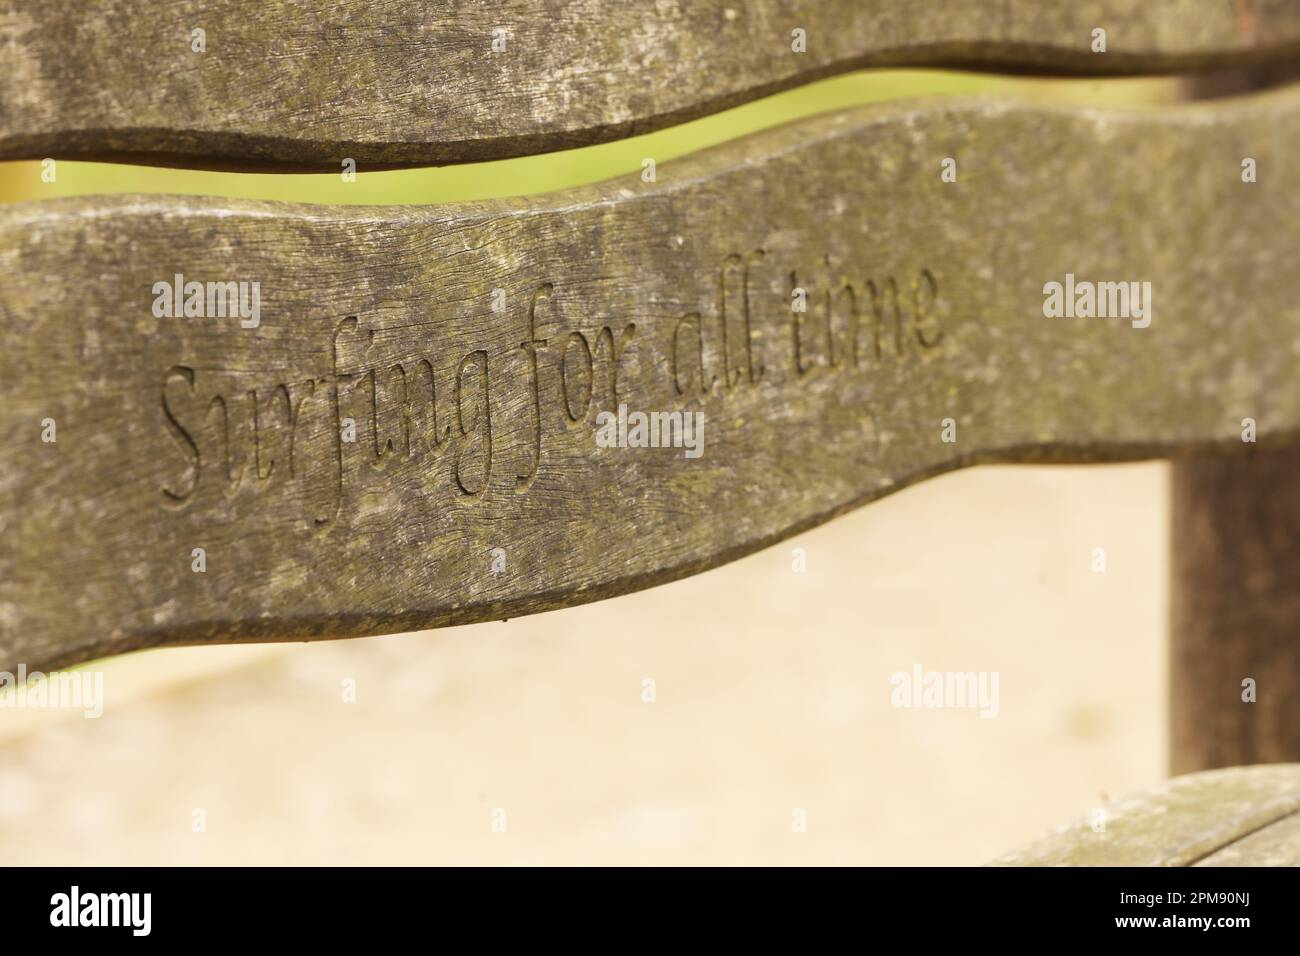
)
(1236, 816)
(372, 419)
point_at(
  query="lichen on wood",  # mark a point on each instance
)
(472, 350)
(409, 81)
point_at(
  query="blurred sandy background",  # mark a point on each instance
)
(772, 694)
(772, 688)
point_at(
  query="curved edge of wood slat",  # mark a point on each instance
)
(345, 624)
(1236, 816)
(475, 429)
(303, 82)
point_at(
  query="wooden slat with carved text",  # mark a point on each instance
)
(475, 489)
(409, 81)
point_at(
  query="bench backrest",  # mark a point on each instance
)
(236, 420)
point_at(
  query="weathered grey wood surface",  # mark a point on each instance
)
(413, 81)
(475, 430)
(1239, 816)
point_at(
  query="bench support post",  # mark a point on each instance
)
(1235, 610)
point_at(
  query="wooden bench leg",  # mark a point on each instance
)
(1235, 611)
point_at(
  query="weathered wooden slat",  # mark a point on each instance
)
(475, 489)
(1277, 844)
(409, 81)
(1239, 816)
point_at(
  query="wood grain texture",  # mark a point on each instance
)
(1234, 621)
(409, 81)
(1235, 611)
(1238, 816)
(475, 430)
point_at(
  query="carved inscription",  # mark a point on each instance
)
(409, 410)
(480, 418)
(860, 321)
